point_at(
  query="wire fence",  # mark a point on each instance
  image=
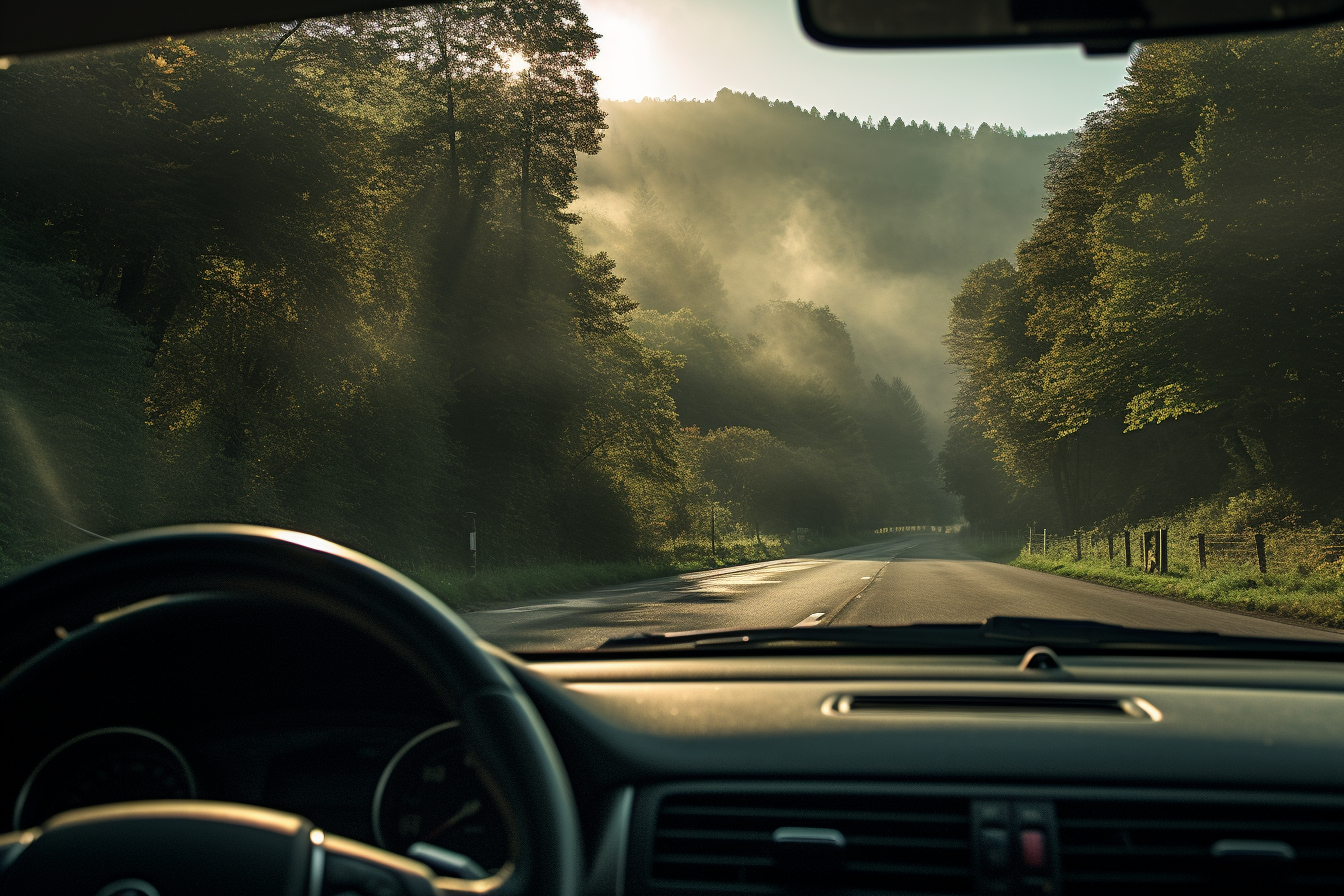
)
(1162, 550)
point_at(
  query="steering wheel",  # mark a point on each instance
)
(166, 848)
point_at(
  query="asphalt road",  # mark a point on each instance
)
(915, 578)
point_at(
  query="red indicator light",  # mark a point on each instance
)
(1033, 848)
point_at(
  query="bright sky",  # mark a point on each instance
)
(692, 48)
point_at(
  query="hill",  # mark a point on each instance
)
(727, 205)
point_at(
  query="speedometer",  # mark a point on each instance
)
(431, 793)
(110, 765)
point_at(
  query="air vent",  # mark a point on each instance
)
(1120, 707)
(723, 842)
(1160, 848)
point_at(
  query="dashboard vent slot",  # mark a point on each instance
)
(995, 703)
(1159, 847)
(722, 842)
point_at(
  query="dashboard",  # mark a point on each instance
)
(748, 774)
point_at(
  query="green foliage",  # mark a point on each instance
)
(324, 276)
(1168, 334)
(793, 438)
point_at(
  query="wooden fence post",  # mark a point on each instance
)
(1202, 562)
(1031, 536)
(1129, 558)
(1110, 545)
(1162, 551)
(1077, 544)
(1260, 550)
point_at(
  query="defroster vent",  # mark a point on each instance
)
(1160, 847)
(726, 842)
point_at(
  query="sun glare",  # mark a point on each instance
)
(626, 61)
(516, 64)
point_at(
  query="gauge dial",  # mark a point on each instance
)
(110, 765)
(431, 793)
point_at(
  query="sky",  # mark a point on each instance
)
(693, 48)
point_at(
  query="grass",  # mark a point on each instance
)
(497, 587)
(1315, 597)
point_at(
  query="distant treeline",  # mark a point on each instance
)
(899, 127)
(1170, 339)
(325, 277)
(727, 205)
(787, 442)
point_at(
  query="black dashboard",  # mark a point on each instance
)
(893, 774)
(962, 774)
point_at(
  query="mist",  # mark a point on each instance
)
(724, 206)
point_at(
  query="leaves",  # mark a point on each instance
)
(1178, 293)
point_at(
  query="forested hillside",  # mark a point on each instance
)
(724, 206)
(326, 276)
(1169, 339)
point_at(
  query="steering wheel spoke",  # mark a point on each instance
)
(158, 847)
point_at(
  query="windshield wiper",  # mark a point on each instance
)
(996, 633)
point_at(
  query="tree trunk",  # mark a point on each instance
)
(1269, 436)
(454, 172)
(1076, 482)
(1058, 474)
(525, 187)
(131, 290)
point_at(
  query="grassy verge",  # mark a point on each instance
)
(1316, 597)
(498, 587)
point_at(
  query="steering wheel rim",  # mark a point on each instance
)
(501, 726)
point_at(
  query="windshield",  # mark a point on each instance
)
(603, 317)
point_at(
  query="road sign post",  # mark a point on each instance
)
(471, 542)
(713, 545)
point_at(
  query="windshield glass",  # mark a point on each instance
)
(604, 317)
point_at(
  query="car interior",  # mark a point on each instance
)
(240, 709)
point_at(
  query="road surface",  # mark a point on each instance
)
(914, 578)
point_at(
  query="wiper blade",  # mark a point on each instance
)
(1007, 632)
(857, 635)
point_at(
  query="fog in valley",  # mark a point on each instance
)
(724, 206)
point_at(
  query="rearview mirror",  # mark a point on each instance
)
(1101, 26)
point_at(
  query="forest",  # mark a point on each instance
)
(1168, 339)
(728, 205)
(330, 276)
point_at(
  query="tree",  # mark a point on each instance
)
(1179, 338)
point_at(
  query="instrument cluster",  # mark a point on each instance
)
(378, 786)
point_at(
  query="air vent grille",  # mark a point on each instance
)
(722, 842)
(1159, 848)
